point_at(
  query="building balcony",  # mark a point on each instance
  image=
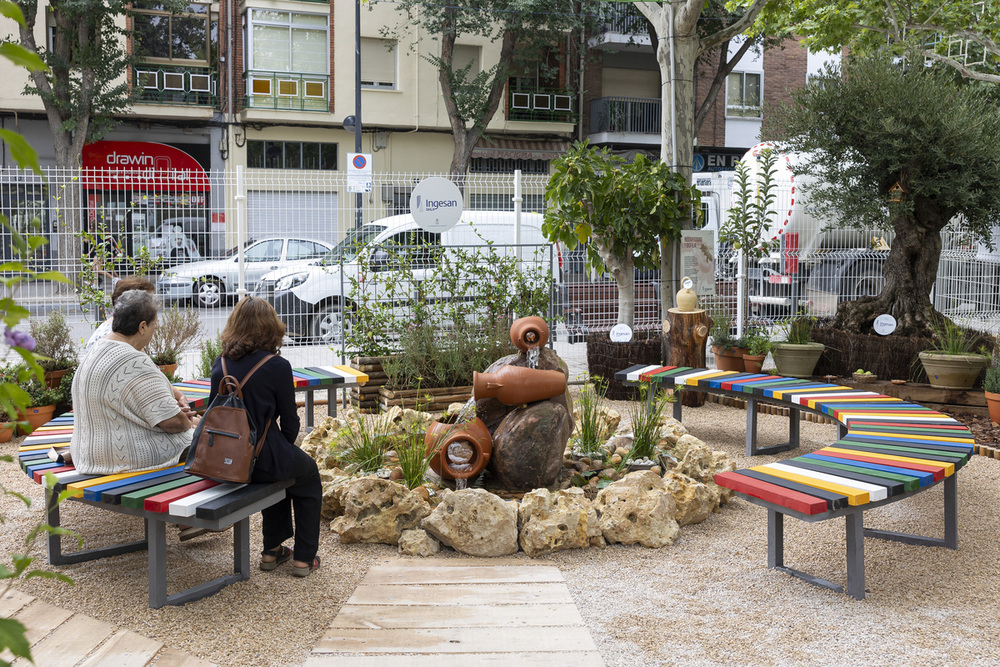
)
(624, 29)
(286, 90)
(542, 104)
(165, 84)
(633, 120)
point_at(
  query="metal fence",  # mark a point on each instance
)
(184, 219)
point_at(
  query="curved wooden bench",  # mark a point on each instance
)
(886, 450)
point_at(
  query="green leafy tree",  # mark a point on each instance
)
(878, 123)
(622, 208)
(529, 34)
(961, 35)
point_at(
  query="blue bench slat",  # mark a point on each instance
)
(925, 478)
(834, 501)
(854, 446)
(894, 487)
(114, 496)
(94, 492)
(716, 383)
(939, 445)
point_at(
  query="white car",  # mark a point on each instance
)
(210, 282)
(172, 244)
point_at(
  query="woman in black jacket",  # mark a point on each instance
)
(252, 332)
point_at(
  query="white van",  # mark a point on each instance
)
(311, 300)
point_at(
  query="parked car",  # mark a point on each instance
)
(210, 282)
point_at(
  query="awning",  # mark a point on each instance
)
(520, 149)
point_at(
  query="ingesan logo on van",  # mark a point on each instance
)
(435, 204)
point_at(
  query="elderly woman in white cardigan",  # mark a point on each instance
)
(126, 416)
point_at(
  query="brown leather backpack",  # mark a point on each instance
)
(225, 445)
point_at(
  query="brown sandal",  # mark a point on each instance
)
(306, 571)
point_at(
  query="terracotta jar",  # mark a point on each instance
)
(38, 416)
(458, 451)
(54, 378)
(529, 332)
(514, 385)
(752, 363)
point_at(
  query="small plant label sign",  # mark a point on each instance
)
(621, 333)
(885, 324)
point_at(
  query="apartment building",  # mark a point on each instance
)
(268, 84)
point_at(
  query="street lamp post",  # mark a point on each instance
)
(357, 101)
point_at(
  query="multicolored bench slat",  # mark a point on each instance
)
(886, 449)
(881, 430)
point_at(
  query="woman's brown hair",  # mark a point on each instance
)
(253, 325)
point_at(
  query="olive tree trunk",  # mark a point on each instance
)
(623, 269)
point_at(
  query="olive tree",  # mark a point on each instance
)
(880, 122)
(623, 209)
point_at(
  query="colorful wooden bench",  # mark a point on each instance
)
(309, 380)
(167, 495)
(886, 450)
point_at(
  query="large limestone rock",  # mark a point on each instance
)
(333, 491)
(475, 522)
(417, 542)
(702, 463)
(694, 500)
(608, 421)
(557, 521)
(638, 509)
(377, 510)
(528, 445)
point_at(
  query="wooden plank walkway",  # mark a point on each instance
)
(458, 612)
(60, 637)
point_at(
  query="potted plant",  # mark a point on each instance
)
(991, 385)
(796, 355)
(952, 363)
(758, 347)
(54, 347)
(43, 401)
(726, 348)
(175, 330)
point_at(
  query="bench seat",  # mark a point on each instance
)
(886, 450)
(159, 497)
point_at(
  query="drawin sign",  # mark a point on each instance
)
(139, 165)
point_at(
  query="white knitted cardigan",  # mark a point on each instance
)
(119, 396)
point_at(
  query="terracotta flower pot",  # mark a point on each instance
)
(752, 363)
(38, 416)
(529, 332)
(728, 360)
(460, 451)
(168, 369)
(952, 371)
(6, 431)
(513, 385)
(993, 403)
(54, 378)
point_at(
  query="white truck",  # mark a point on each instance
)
(815, 267)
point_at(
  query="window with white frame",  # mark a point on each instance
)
(291, 42)
(160, 36)
(466, 55)
(378, 63)
(743, 95)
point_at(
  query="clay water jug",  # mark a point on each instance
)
(529, 332)
(513, 385)
(458, 450)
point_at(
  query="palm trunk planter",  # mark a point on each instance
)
(952, 371)
(796, 360)
(428, 400)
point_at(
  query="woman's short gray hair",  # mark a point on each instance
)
(133, 307)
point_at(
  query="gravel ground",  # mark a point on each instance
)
(708, 599)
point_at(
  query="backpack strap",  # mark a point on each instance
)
(230, 381)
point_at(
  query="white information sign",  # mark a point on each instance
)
(621, 333)
(359, 172)
(885, 324)
(436, 204)
(698, 259)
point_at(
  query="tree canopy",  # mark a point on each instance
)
(880, 121)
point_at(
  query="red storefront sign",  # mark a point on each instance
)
(140, 165)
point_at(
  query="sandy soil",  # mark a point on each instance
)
(707, 599)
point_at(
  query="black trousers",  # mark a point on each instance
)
(304, 499)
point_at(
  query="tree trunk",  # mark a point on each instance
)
(909, 270)
(623, 269)
(684, 336)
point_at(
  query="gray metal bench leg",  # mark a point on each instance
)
(54, 542)
(158, 565)
(775, 539)
(841, 431)
(677, 404)
(751, 427)
(793, 431)
(241, 548)
(331, 401)
(309, 409)
(855, 555)
(951, 511)
(794, 421)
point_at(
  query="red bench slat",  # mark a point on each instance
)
(800, 502)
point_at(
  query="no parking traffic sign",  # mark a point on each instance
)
(359, 172)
